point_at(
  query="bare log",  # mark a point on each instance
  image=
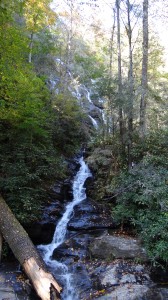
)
(27, 255)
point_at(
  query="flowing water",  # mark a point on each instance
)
(60, 269)
(94, 122)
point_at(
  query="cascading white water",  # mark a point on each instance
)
(94, 122)
(60, 269)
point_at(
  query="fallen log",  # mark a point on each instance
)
(25, 252)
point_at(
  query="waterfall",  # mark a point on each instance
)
(60, 269)
(94, 122)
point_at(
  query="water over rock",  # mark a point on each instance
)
(76, 248)
(41, 232)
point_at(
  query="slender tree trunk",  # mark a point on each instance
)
(26, 253)
(31, 47)
(144, 79)
(69, 46)
(119, 73)
(130, 86)
(130, 72)
(110, 108)
(0, 246)
(111, 44)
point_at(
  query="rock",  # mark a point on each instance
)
(110, 247)
(123, 279)
(88, 216)
(62, 190)
(74, 248)
(121, 272)
(126, 292)
(136, 292)
(109, 277)
(97, 103)
(7, 293)
(81, 280)
(100, 159)
(64, 251)
(128, 278)
(157, 294)
(13, 285)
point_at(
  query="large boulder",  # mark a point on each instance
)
(111, 246)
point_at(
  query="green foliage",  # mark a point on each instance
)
(142, 196)
(37, 131)
(68, 125)
(154, 146)
(24, 167)
(90, 66)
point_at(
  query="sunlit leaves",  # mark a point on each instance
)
(38, 14)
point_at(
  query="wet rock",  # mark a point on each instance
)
(13, 284)
(64, 251)
(81, 279)
(57, 191)
(73, 167)
(95, 112)
(110, 247)
(88, 215)
(97, 103)
(7, 293)
(75, 248)
(62, 190)
(88, 183)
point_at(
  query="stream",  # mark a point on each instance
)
(86, 256)
(60, 269)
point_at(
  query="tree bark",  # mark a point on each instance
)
(110, 117)
(144, 79)
(31, 47)
(119, 74)
(111, 44)
(130, 85)
(0, 246)
(26, 253)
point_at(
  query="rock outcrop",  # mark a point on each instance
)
(111, 247)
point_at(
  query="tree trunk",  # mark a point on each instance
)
(31, 47)
(144, 78)
(26, 253)
(121, 125)
(111, 45)
(0, 246)
(110, 122)
(130, 85)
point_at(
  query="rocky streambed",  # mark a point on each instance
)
(105, 265)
